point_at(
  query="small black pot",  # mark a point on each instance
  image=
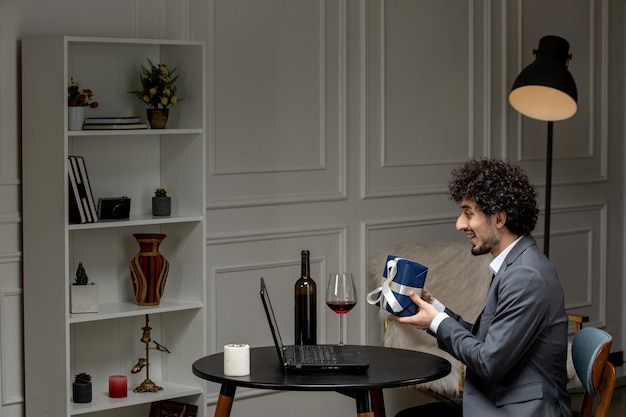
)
(81, 392)
(161, 206)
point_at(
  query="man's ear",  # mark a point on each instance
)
(500, 219)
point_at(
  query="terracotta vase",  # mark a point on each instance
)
(158, 118)
(148, 269)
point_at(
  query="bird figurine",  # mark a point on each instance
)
(160, 347)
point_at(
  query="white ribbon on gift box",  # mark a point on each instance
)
(385, 293)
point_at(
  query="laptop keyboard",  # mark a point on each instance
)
(310, 354)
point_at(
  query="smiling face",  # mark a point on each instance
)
(482, 229)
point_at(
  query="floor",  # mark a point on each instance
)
(618, 403)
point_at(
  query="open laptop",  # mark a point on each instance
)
(312, 357)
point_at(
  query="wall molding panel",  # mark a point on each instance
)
(230, 280)
(11, 356)
(409, 89)
(256, 157)
(236, 263)
(578, 243)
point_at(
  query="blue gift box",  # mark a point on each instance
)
(400, 277)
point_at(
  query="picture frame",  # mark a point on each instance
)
(169, 408)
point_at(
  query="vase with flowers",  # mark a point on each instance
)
(78, 99)
(158, 92)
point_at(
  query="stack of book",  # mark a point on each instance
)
(106, 123)
(82, 206)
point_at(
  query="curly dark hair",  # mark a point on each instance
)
(497, 186)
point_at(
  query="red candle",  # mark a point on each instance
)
(118, 386)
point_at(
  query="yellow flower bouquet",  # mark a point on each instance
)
(158, 86)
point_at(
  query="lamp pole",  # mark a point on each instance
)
(546, 224)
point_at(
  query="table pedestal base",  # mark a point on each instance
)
(369, 403)
(364, 404)
(225, 401)
(378, 402)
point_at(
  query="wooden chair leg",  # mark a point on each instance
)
(578, 321)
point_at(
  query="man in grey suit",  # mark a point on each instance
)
(516, 351)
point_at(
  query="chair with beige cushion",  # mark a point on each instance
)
(458, 279)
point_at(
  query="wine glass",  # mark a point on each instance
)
(341, 296)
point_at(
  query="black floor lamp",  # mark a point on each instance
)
(545, 90)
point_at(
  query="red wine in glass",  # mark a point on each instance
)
(341, 296)
(341, 307)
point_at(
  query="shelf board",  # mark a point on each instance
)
(123, 309)
(136, 220)
(93, 40)
(101, 400)
(132, 132)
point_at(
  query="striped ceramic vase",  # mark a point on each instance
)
(148, 269)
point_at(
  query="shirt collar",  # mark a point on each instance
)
(497, 262)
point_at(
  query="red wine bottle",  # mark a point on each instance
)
(305, 305)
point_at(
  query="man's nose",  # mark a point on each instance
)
(461, 223)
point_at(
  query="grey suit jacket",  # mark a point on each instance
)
(516, 351)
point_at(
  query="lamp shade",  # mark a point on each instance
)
(545, 89)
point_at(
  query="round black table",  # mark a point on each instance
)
(388, 368)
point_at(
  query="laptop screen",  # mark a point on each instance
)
(271, 319)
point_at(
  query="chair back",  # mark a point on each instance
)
(590, 353)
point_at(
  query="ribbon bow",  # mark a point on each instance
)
(385, 294)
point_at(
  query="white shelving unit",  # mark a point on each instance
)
(133, 163)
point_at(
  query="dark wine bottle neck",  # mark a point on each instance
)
(305, 265)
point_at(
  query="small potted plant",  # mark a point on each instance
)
(158, 92)
(81, 388)
(161, 203)
(78, 99)
(83, 295)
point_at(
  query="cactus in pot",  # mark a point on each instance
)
(81, 388)
(81, 275)
(161, 203)
(83, 294)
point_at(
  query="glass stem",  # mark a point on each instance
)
(341, 330)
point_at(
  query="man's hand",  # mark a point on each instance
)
(424, 316)
(427, 296)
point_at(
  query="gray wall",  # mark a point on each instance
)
(333, 126)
